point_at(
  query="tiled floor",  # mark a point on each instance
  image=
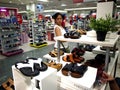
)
(7, 62)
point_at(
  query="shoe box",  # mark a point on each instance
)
(84, 83)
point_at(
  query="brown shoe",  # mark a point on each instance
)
(50, 63)
(57, 66)
(68, 58)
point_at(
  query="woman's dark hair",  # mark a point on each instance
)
(56, 15)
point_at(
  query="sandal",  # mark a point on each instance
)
(57, 66)
(68, 58)
(78, 71)
(54, 53)
(67, 68)
(74, 35)
(49, 63)
(78, 59)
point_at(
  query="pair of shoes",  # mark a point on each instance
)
(72, 58)
(55, 65)
(78, 51)
(54, 53)
(111, 48)
(89, 47)
(74, 70)
(31, 66)
(82, 32)
(72, 35)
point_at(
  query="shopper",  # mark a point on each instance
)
(58, 29)
(114, 83)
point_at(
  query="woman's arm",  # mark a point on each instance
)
(57, 31)
(112, 83)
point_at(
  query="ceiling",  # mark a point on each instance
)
(52, 4)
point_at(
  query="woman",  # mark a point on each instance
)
(58, 29)
(114, 83)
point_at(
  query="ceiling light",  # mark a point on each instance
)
(3, 10)
(10, 1)
(22, 3)
(43, 0)
(63, 5)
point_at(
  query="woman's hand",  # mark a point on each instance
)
(107, 77)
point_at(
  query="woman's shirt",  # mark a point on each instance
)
(62, 30)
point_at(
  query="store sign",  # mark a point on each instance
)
(19, 18)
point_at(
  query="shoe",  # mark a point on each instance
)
(78, 71)
(57, 66)
(74, 35)
(68, 58)
(49, 63)
(54, 53)
(41, 66)
(67, 69)
(78, 51)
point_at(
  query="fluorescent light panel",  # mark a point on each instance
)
(43, 0)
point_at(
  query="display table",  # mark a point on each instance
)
(47, 80)
(84, 83)
(84, 39)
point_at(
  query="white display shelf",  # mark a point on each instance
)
(48, 80)
(84, 39)
(84, 83)
(97, 50)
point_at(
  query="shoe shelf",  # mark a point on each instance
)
(37, 34)
(84, 39)
(9, 37)
(47, 80)
(84, 83)
(97, 50)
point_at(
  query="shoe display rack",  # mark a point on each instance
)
(47, 80)
(38, 34)
(24, 31)
(9, 37)
(84, 39)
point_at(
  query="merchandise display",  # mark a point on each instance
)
(60, 42)
(31, 66)
(38, 34)
(10, 41)
(54, 53)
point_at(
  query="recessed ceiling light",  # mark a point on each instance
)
(22, 3)
(10, 1)
(63, 5)
(43, 0)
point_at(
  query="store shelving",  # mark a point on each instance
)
(84, 39)
(38, 34)
(9, 38)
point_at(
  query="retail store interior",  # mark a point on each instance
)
(27, 40)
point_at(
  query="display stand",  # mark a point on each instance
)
(9, 36)
(38, 35)
(70, 83)
(47, 80)
(84, 39)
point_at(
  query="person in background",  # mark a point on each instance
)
(58, 28)
(114, 83)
